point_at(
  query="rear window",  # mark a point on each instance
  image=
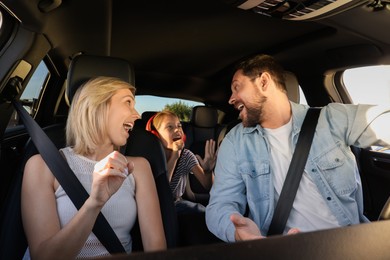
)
(181, 107)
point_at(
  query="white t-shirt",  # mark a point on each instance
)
(309, 211)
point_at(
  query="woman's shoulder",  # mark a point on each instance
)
(138, 160)
(36, 162)
(140, 164)
(36, 170)
(142, 171)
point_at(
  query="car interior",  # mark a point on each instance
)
(188, 50)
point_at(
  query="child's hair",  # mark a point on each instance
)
(155, 121)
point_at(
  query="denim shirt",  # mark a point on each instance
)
(243, 176)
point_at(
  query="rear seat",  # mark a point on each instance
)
(203, 126)
(192, 226)
(145, 116)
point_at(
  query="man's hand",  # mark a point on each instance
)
(246, 229)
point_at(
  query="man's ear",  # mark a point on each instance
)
(263, 80)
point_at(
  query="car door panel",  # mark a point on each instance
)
(375, 172)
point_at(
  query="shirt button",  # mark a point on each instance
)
(329, 198)
(337, 159)
(313, 170)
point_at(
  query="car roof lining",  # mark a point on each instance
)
(196, 55)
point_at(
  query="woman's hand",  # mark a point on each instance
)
(210, 156)
(108, 176)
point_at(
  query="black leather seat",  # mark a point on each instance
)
(83, 67)
(141, 143)
(145, 144)
(203, 126)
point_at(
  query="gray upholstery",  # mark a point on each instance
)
(292, 86)
(203, 116)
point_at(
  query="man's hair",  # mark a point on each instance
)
(86, 124)
(256, 65)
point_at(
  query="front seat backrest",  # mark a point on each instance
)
(84, 67)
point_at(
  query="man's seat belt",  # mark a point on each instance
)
(294, 173)
(65, 176)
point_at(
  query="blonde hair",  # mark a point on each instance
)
(86, 124)
(158, 118)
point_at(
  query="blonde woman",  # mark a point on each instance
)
(101, 115)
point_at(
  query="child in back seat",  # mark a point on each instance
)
(181, 161)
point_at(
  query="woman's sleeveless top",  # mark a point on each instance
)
(120, 210)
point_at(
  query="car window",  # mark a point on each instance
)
(31, 95)
(368, 85)
(181, 107)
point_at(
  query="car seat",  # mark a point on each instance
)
(82, 68)
(203, 126)
(141, 143)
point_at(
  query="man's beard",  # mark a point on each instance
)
(254, 113)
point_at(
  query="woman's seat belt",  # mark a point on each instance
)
(65, 176)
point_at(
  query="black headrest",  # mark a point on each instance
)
(146, 115)
(84, 67)
(203, 116)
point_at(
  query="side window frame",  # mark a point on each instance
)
(32, 104)
(335, 87)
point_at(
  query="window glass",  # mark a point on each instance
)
(31, 94)
(181, 107)
(368, 85)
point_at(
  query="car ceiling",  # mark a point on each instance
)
(187, 48)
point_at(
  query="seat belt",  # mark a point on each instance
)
(67, 179)
(294, 173)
